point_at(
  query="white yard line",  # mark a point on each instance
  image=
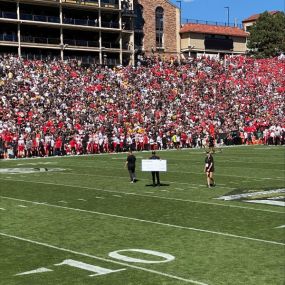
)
(103, 259)
(149, 196)
(147, 221)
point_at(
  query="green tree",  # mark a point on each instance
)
(267, 35)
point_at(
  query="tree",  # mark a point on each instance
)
(267, 35)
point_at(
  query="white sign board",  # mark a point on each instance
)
(154, 165)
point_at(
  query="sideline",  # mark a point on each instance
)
(195, 150)
(144, 195)
(102, 259)
(146, 221)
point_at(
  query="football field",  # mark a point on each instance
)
(78, 220)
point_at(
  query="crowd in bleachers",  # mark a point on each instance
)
(58, 107)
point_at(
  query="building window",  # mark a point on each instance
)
(139, 20)
(159, 20)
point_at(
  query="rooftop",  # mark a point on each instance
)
(254, 17)
(213, 30)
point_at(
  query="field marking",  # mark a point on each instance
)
(149, 196)
(119, 196)
(267, 202)
(103, 259)
(21, 206)
(39, 270)
(144, 179)
(280, 227)
(196, 173)
(80, 199)
(2, 209)
(97, 197)
(191, 151)
(251, 194)
(146, 221)
(171, 182)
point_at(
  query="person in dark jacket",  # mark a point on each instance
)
(131, 164)
(209, 169)
(155, 174)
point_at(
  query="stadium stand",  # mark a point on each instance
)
(56, 107)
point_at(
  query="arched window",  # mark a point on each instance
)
(139, 20)
(139, 26)
(159, 23)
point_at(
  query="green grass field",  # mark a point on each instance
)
(87, 224)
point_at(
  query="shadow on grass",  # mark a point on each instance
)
(161, 185)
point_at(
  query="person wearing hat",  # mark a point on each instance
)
(209, 169)
(155, 173)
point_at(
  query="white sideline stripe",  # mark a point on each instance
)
(280, 227)
(147, 221)
(149, 196)
(22, 206)
(103, 259)
(2, 209)
(197, 173)
(190, 150)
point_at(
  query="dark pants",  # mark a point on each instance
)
(155, 174)
(132, 174)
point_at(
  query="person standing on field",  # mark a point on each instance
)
(155, 173)
(131, 164)
(209, 170)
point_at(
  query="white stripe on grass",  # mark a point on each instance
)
(102, 259)
(148, 221)
(185, 172)
(149, 196)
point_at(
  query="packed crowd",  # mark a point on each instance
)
(58, 107)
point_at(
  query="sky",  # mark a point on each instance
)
(214, 10)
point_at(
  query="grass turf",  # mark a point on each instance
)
(91, 209)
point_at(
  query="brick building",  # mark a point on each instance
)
(157, 26)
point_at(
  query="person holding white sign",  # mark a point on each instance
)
(155, 173)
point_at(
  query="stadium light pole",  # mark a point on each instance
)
(180, 24)
(180, 8)
(228, 12)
